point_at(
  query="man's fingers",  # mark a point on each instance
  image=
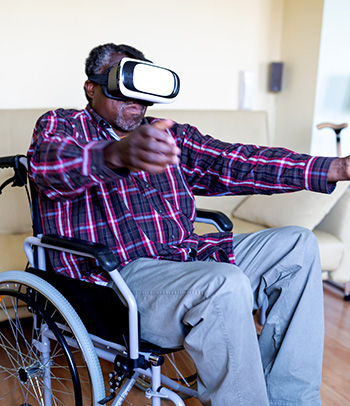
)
(156, 139)
(163, 136)
(163, 147)
(163, 124)
(151, 148)
(158, 158)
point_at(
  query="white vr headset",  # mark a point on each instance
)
(139, 80)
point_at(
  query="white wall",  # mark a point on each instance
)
(316, 82)
(44, 45)
(332, 101)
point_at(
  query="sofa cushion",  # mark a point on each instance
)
(224, 204)
(16, 132)
(15, 212)
(243, 226)
(12, 256)
(239, 226)
(249, 127)
(305, 209)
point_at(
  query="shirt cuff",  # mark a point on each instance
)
(316, 175)
(94, 163)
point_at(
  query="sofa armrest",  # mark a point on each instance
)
(337, 223)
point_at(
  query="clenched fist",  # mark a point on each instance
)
(149, 148)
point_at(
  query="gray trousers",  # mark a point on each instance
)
(207, 308)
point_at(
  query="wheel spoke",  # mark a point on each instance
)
(23, 365)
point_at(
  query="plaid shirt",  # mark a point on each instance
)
(138, 214)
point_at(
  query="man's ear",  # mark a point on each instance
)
(89, 87)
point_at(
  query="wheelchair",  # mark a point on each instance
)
(55, 331)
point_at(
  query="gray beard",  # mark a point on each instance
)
(132, 123)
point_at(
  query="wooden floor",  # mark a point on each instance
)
(335, 389)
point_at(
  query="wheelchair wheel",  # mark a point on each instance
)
(46, 355)
(179, 367)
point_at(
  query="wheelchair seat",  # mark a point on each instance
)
(90, 301)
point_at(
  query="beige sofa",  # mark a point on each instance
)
(327, 216)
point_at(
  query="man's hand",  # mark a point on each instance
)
(339, 169)
(149, 148)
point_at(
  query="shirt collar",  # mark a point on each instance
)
(100, 121)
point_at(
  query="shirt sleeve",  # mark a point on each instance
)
(61, 162)
(213, 167)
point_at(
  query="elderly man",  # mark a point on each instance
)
(109, 174)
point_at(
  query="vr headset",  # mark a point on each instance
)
(138, 80)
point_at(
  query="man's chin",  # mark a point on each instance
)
(130, 116)
(127, 126)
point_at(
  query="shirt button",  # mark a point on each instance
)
(173, 237)
(93, 168)
(102, 177)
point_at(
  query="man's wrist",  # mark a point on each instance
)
(112, 155)
(339, 170)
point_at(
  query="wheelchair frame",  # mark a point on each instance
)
(132, 361)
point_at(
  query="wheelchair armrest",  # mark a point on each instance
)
(101, 252)
(217, 218)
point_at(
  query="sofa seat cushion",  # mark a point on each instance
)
(244, 226)
(331, 247)
(12, 256)
(225, 204)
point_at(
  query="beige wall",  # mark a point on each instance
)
(301, 35)
(207, 42)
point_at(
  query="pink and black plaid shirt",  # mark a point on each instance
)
(141, 215)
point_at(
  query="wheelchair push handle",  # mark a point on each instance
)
(7, 161)
(13, 161)
(19, 165)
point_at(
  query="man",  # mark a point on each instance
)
(107, 174)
